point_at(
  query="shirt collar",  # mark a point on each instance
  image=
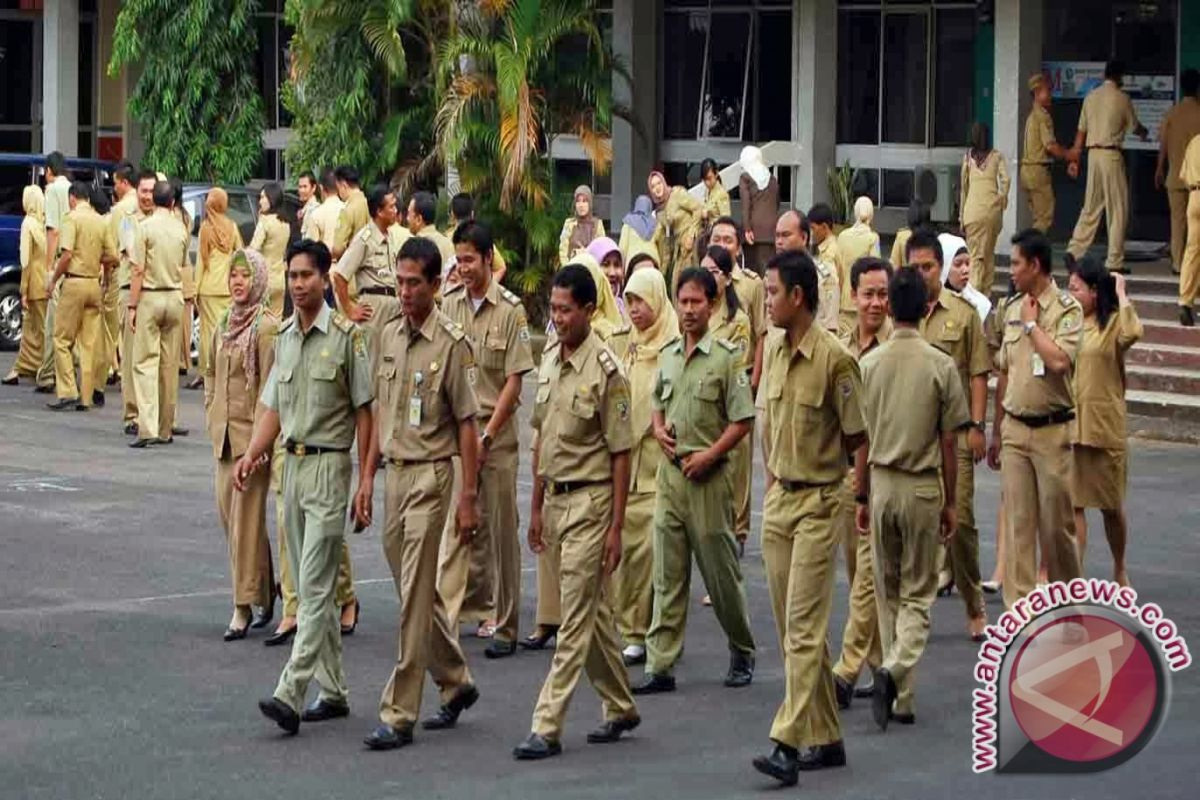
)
(62, 179)
(1048, 294)
(808, 341)
(580, 356)
(323, 317)
(906, 333)
(704, 345)
(427, 327)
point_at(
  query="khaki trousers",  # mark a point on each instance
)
(110, 333)
(77, 323)
(467, 592)
(212, 308)
(1189, 280)
(416, 504)
(276, 287)
(385, 307)
(45, 373)
(1039, 191)
(1177, 200)
(577, 524)
(244, 518)
(905, 516)
(962, 553)
(1035, 470)
(694, 519)
(128, 387)
(981, 244)
(549, 586)
(1107, 194)
(799, 541)
(741, 462)
(156, 361)
(33, 339)
(633, 581)
(860, 638)
(316, 494)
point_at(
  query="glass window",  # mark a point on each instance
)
(87, 72)
(866, 182)
(858, 77)
(772, 99)
(954, 76)
(684, 37)
(905, 63)
(16, 64)
(265, 66)
(725, 81)
(13, 179)
(240, 210)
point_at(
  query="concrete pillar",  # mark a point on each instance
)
(636, 25)
(60, 76)
(1018, 56)
(814, 78)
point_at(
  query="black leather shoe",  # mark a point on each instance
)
(783, 765)
(536, 748)
(168, 440)
(98, 399)
(179, 431)
(844, 692)
(235, 634)
(63, 404)
(655, 684)
(195, 383)
(131, 429)
(281, 713)
(540, 637)
(321, 710)
(905, 719)
(612, 729)
(741, 670)
(500, 649)
(348, 630)
(883, 697)
(865, 692)
(82, 407)
(385, 737)
(44, 389)
(822, 756)
(1186, 318)
(262, 617)
(447, 716)
(138, 444)
(281, 637)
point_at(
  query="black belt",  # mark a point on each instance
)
(1036, 163)
(1104, 147)
(566, 487)
(165, 289)
(799, 486)
(380, 290)
(410, 462)
(125, 288)
(1195, 188)
(301, 449)
(82, 277)
(1053, 418)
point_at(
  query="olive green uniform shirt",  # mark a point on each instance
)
(752, 297)
(1032, 389)
(370, 259)
(701, 394)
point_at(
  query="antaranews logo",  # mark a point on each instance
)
(1075, 677)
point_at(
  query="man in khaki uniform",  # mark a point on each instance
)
(792, 234)
(581, 468)
(354, 214)
(952, 325)
(86, 251)
(811, 420)
(1180, 125)
(158, 256)
(462, 209)
(1189, 279)
(1107, 116)
(125, 221)
(306, 190)
(828, 253)
(318, 399)
(702, 408)
(58, 205)
(907, 505)
(422, 214)
(370, 264)
(1031, 434)
(425, 414)
(860, 639)
(495, 324)
(1040, 150)
(322, 221)
(126, 202)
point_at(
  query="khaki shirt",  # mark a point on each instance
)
(1039, 136)
(499, 335)
(87, 236)
(1189, 171)
(735, 330)
(983, 192)
(1100, 379)
(1107, 116)
(370, 260)
(159, 251)
(581, 413)
(1181, 124)
(353, 215)
(909, 372)
(829, 297)
(1030, 394)
(752, 296)
(122, 222)
(810, 394)
(58, 203)
(703, 393)
(424, 388)
(444, 245)
(271, 237)
(320, 378)
(852, 343)
(899, 259)
(32, 252)
(953, 327)
(321, 223)
(231, 404)
(829, 254)
(306, 214)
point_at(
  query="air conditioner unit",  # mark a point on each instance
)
(937, 188)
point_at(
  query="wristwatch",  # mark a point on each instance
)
(1028, 327)
(486, 439)
(979, 425)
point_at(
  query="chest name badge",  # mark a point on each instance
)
(1039, 366)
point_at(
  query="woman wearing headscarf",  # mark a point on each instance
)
(956, 273)
(655, 325)
(271, 237)
(219, 238)
(759, 193)
(677, 216)
(984, 196)
(637, 228)
(612, 264)
(580, 230)
(33, 286)
(1098, 470)
(242, 352)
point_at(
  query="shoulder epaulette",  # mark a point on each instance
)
(455, 289)
(728, 345)
(287, 323)
(608, 361)
(365, 234)
(1013, 299)
(453, 328)
(510, 297)
(624, 330)
(1066, 300)
(344, 323)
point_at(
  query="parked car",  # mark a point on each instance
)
(18, 170)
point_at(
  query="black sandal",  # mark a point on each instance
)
(540, 637)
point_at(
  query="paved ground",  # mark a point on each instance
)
(114, 681)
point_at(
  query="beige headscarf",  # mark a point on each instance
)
(606, 304)
(585, 227)
(642, 361)
(220, 227)
(239, 327)
(34, 203)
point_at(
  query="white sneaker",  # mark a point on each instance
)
(634, 654)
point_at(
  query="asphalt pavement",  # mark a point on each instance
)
(115, 683)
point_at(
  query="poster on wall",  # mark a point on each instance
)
(1152, 95)
(1072, 80)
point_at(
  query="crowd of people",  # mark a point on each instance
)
(673, 352)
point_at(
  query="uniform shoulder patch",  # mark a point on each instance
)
(365, 234)
(287, 323)
(454, 290)
(1066, 300)
(510, 297)
(607, 361)
(453, 328)
(728, 345)
(344, 323)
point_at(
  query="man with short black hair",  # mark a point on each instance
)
(58, 205)
(306, 189)
(354, 214)
(322, 222)
(422, 214)
(829, 255)
(462, 209)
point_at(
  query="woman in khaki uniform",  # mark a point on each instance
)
(243, 350)
(655, 325)
(984, 197)
(1098, 471)
(678, 217)
(270, 238)
(219, 238)
(716, 198)
(580, 230)
(33, 286)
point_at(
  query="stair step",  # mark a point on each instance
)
(1163, 355)
(1163, 405)
(1172, 333)
(1175, 380)
(1138, 283)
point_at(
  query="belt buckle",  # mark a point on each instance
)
(299, 450)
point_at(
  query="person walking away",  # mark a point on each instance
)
(58, 189)
(322, 221)
(32, 253)
(219, 239)
(917, 217)
(1189, 279)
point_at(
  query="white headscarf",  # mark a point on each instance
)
(752, 164)
(951, 244)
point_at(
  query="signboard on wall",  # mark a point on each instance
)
(1072, 80)
(1152, 95)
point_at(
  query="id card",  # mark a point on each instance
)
(1039, 366)
(414, 412)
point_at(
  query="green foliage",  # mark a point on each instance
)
(841, 189)
(200, 110)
